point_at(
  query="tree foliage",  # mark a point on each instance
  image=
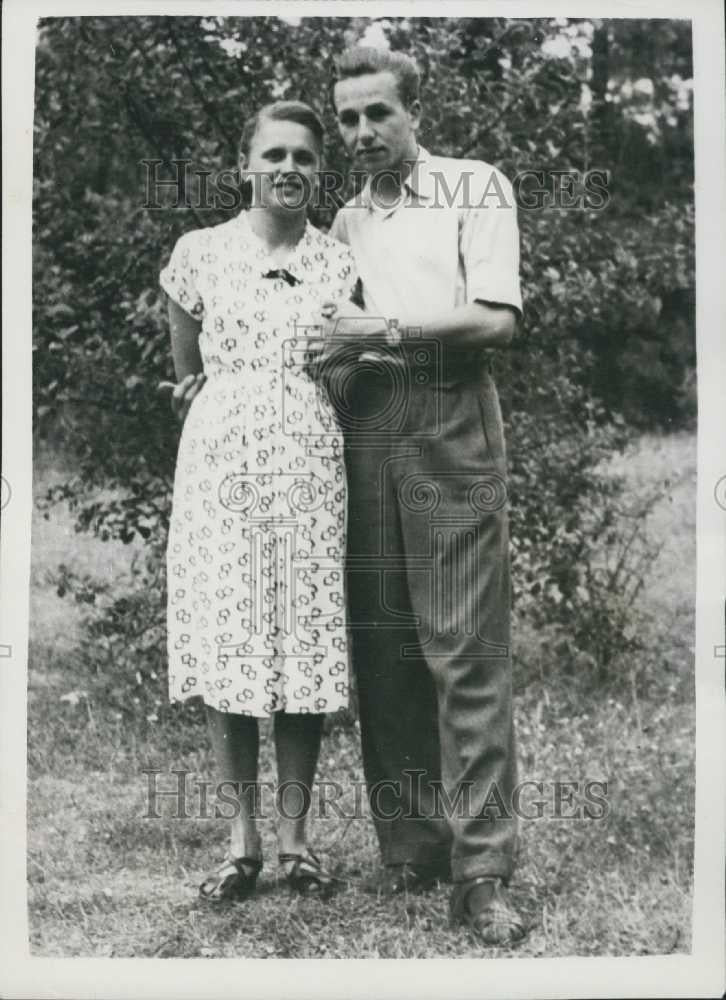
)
(608, 293)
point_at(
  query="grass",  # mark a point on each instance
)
(106, 881)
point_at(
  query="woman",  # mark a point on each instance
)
(256, 542)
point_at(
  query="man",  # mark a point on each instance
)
(436, 245)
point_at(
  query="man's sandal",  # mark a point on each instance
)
(234, 879)
(495, 922)
(307, 876)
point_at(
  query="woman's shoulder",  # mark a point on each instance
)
(207, 236)
(328, 244)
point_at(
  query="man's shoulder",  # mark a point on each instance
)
(476, 176)
(358, 200)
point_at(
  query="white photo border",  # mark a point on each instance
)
(700, 974)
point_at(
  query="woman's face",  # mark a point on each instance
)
(282, 165)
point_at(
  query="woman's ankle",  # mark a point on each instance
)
(245, 844)
(291, 842)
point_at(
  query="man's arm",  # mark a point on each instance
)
(476, 324)
(489, 250)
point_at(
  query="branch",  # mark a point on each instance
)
(208, 108)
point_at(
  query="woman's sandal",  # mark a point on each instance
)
(234, 879)
(307, 876)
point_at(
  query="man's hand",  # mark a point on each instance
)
(183, 393)
(345, 334)
(350, 321)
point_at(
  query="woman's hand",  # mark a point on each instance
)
(183, 393)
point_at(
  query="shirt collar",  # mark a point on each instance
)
(419, 181)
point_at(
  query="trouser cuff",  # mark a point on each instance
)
(490, 865)
(417, 854)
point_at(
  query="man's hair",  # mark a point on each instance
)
(282, 111)
(362, 59)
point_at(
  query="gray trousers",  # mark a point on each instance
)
(429, 608)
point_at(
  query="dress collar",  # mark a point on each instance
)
(296, 260)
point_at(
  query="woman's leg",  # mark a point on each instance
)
(236, 741)
(297, 744)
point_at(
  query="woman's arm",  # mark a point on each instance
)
(184, 342)
(187, 359)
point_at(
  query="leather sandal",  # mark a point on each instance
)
(234, 879)
(307, 876)
(495, 922)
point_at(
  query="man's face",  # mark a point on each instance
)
(378, 130)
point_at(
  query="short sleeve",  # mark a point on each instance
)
(346, 272)
(339, 231)
(180, 277)
(489, 242)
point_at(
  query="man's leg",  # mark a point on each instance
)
(397, 696)
(458, 559)
(471, 667)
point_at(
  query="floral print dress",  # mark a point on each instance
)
(256, 616)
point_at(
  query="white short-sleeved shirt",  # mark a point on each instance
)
(451, 239)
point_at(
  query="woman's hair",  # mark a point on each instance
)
(282, 111)
(362, 59)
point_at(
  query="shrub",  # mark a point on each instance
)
(608, 294)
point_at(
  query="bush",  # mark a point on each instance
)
(608, 294)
